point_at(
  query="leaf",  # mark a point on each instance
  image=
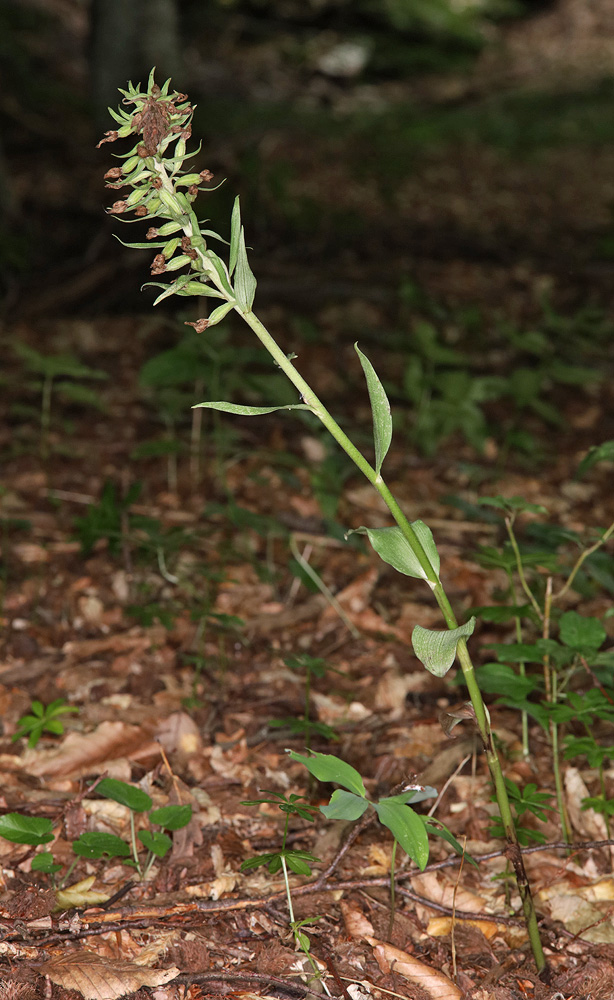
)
(432, 982)
(127, 795)
(156, 842)
(344, 805)
(80, 894)
(327, 767)
(442, 831)
(406, 827)
(97, 843)
(98, 978)
(380, 409)
(585, 634)
(392, 546)
(249, 411)
(18, 829)
(235, 232)
(603, 452)
(437, 649)
(245, 282)
(171, 817)
(44, 862)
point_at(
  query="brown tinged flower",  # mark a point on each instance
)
(117, 208)
(110, 137)
(200, 325)
(113, 174)
(158, 265)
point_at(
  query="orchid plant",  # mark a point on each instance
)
(162, 190)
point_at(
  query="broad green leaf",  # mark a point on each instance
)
(171, 817)
(156, 842)
(44, 862)
(437, 649)
(33, 830)
(501, 679)
(392, 546)
(406, 827)
(125, 794)
(582, 633)
(235, 232)
(249, 411)
(414, 795)
(327, 767)
(95, 844)
(380, 410)
(598, 453)
(245, 282)
(344, 805)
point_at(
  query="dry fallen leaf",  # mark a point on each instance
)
(101, 979)
(79, 752)
(434, 983)
(80, 894)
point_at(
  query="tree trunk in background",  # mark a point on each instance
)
(128, 37)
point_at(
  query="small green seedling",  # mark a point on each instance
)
(47, 369)
(350, 803)
(525, 800)
(93, 844)
(43, 719)
(286, 858)
(306, 726)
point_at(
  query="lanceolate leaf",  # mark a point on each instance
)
(406, 827)
(435, 649)
(249, 411)
(245, 282)
(235, 232)
(344, 805)
(392, 546)
(326, 767)
(380, 409)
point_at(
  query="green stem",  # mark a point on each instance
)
(584, 555)
(481, 716)
(509, 524)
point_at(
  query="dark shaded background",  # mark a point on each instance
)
(372, 142)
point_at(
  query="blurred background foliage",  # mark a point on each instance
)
(392, 132)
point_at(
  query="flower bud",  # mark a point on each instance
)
(170, 247)
(189, 179)
(171, 202)
(129, 165)
(177, 262)
(168, 229)
(135, 197)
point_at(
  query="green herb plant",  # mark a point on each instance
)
(93, 844)
(61, 374)
(42, 719)
(306, 727)
(286, 858)
(564, 646)
(159, 121)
